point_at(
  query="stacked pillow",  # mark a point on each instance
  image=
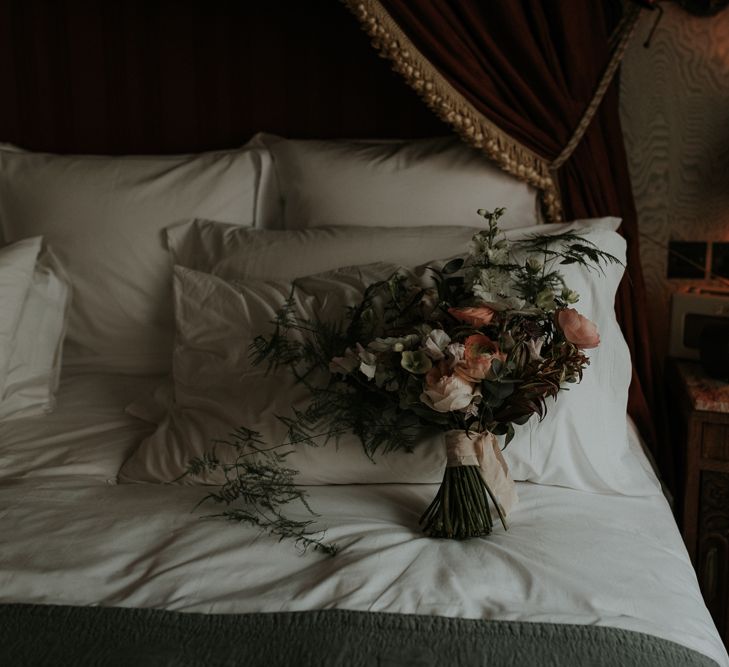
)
(390, 184)
(104, 218)
(230, 299)
(230, 281)
(228, 291)
(34, 295)
(286, 210)
(306, 184)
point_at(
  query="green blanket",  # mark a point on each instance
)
(78, 636)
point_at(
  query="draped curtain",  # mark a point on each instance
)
(516, 79)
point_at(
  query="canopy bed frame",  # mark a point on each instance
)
(176, 77)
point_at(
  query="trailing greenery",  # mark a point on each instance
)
(257, 485)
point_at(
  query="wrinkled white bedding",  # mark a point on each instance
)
(70, 535)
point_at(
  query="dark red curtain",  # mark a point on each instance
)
(180, 76)
(532, 68)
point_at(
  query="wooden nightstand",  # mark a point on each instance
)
(701, 405)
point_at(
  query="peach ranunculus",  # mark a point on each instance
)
(444, 392)
(577, 329)
(480, 352)
(475, 316)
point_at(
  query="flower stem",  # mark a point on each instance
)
(460, 509)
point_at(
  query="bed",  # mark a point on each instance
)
(104, 561)
(71, 536)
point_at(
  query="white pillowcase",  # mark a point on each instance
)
(235, 252)
(417, 183)
(231, 251)
(217, 388)
(17, 263)
(104, 218)
(582, 443)
(35, 363)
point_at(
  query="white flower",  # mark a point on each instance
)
(455, 352)
(480, 248)
(545, 300)
(478, 245)
(533, 265)
(368, 362)
(498, 255)
(472, 409)
(499, 302)
(495, 280)
(534, 346)
(435, 343)
(570, 296)
(494, 288)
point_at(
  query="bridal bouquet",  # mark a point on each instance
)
(470, 347)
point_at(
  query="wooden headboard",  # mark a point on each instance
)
(171, 76)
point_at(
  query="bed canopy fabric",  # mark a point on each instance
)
(530, 84)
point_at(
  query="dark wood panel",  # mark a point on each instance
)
(715, 443)
(165, 76)
(713, 563)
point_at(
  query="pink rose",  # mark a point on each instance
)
(436, 373)
(577, 329)
(476, 317)
(480, 352)
(444, 392)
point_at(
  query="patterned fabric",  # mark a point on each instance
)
(60, 635)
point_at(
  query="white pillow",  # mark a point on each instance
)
(217, 388)
(104, 218)
(17, 263)
(231, 251)
(35, 363)
(417, 183)
(582, 443)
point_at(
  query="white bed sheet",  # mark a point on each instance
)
(69, 535)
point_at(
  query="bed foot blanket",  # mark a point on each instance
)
(64, 635)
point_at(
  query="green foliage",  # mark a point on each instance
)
(257, 485)
(569, 248)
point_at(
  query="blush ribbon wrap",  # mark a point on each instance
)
(482, 450)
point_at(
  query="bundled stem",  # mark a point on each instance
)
(460, 509)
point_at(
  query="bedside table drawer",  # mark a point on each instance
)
(700, 430)
(713, 547)
(715, 442)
